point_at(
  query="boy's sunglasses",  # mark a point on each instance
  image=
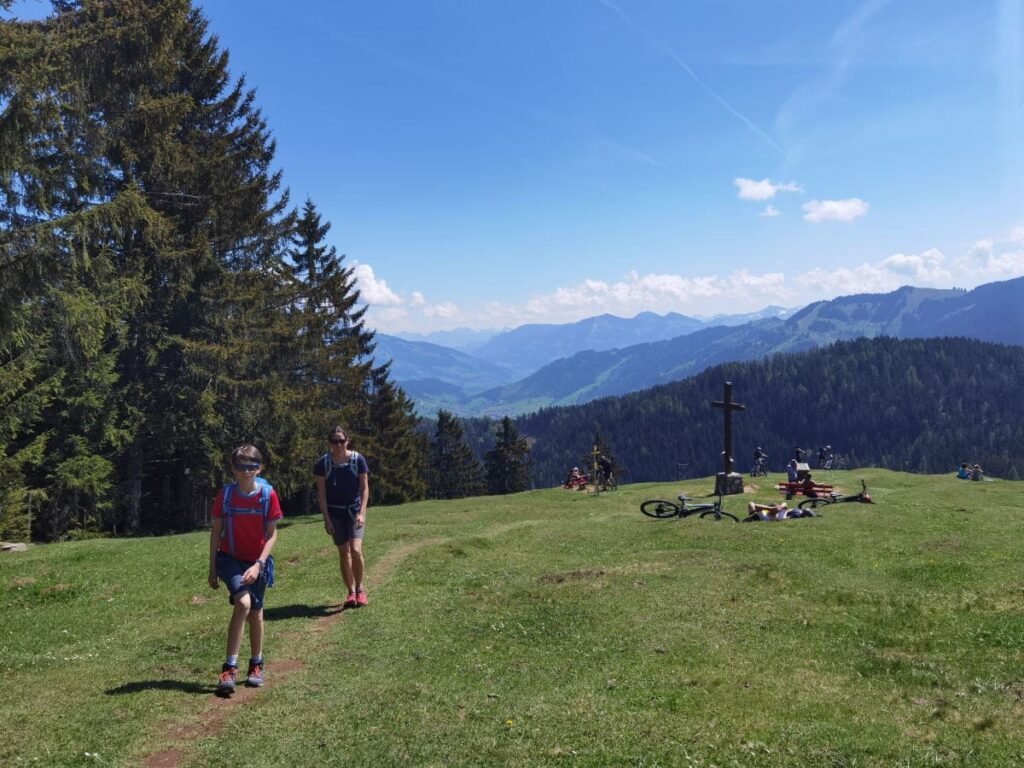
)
(339, 440)
(246, 467)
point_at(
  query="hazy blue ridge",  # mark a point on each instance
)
(529, 347)
(462, 339)
(413, 361)
(993, 312)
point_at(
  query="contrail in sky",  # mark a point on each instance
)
(686, 68)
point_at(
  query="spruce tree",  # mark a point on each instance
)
(398, 452)
(454, 471)
(507, 465)
(330, 350)
(140, 224)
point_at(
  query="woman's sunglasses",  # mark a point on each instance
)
(339, 440)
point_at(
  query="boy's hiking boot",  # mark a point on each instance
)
(228, 678)
(350, 601)
(254, 678)
(361, 598)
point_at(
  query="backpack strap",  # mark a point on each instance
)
(353, 467)
(229, 511)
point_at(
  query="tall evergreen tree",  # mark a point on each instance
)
(507, 465)
(329, 358)
(454, 471)
(398, 452)
(139, 224)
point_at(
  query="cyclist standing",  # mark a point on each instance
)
(604, 464)
(760, 461)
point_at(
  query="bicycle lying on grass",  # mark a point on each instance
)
(661, 509)
(837, 498)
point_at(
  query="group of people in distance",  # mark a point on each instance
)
(825, 456)
(577, 480)
(244, 532)
(970, 473)
(781, 511)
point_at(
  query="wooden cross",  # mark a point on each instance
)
(728, 406)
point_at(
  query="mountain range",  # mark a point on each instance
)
(603, 365)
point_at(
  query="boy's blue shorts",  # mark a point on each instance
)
(230, 571)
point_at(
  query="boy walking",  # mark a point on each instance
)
(244, 531)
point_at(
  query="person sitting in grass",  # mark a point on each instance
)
(976, 473)
(243, 535)
(808, 489)
(963, 473)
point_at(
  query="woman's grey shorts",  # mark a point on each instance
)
(345, 528)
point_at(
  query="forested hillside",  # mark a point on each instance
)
(915, 405)
(992, 312)
(161, 301)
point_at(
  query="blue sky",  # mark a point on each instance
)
(488, 163)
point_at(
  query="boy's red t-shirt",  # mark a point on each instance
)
(249, 533)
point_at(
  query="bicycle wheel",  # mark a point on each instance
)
(719, 516)
(659, 508)
(814, 504)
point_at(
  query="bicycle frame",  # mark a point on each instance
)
(662, 509)
(835, 498)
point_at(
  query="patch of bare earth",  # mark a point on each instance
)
(218, 711)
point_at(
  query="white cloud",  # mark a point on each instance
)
(989, 259)
(373, 291)
(659, 292)
(835, 210)
(992, 258)
(770, 212)
(446, 311)
(388, 317)
(925, 269)
(765, 189)
(981, 251)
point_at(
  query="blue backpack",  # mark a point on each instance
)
(352, 466)
(230, 511)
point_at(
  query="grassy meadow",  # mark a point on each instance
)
(549, 628)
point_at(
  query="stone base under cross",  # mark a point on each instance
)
(728, 484)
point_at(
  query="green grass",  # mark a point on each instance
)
(549, 628)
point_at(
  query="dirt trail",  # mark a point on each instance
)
(217, 711)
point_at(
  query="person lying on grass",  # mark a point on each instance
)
(775, 512)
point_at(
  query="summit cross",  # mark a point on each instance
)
(728, 406)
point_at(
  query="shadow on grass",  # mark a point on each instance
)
(301, 611)
(160, 685)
